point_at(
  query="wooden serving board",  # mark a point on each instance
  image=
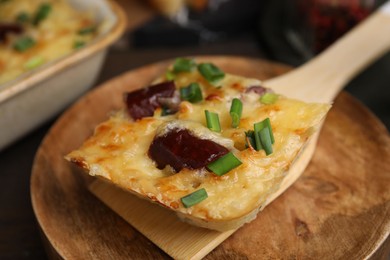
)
(338, 209)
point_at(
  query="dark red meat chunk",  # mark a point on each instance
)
(6, 28)
(181, 149)
(142, 103)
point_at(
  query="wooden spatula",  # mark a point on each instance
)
(319, 80)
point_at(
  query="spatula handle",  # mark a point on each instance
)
(320, 79)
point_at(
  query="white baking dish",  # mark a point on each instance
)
(34, 97)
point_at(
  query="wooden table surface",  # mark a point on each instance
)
(19, 232)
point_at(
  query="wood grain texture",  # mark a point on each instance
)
(178, 239)
(338, 209)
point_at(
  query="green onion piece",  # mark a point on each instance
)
(194, 198)
(258, 146)
(78, 44)
(42, 13)
(23, 17)
(211, 73)
(269, 98)
(183, 65)
(191, 93)
(265, 138)
(87, 30)
(166, 111)
(212, 120)
(224, 164)
(24, 43)
(169, 75)
(265, 123)
(250, 139)
(236, 112)
(34, 62)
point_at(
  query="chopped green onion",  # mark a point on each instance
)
(212, 121)
(42, 13)
(265, 123)
(250, 139)
(183, 65)
(269, 98)
(224, 164)
(34, 62)
(23, 17)
(258, 145)
(169, 75)
(194, 198)
(191, 93)
(211, 73)
(87, 30)
(24, 43)
(78, 44)
(264, 137)
(236, 112)
(166, 111)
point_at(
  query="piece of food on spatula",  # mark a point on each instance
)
(208, 145)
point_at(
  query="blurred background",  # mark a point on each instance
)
(285, 31)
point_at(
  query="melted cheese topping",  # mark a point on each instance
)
(118, 150)
(55, 36)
